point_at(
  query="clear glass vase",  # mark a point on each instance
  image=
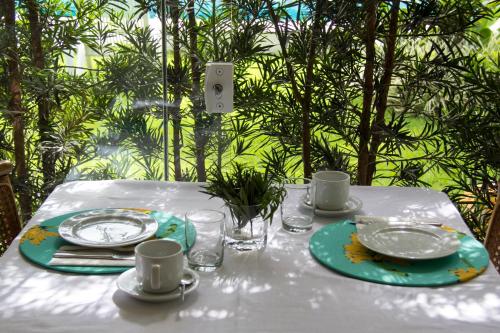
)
(246, 229)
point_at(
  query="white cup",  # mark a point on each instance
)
(331, 189)
(159, 265)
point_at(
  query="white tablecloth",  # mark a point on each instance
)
(282, 289)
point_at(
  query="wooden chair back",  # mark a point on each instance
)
(492, 241)
(10, 223)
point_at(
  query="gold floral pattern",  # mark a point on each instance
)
(37, 234)
(357, 253)
(167, 232)
(467, 274)
(460, 235)
(447, 228)
(140, 210)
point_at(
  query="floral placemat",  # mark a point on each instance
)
(39, 243)
(337, 247)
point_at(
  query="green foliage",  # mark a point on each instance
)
(105, 118)
(470, 128)
(247, 192)
(328, 157)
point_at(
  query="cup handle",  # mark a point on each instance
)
(155, 276)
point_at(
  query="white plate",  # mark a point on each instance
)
(108, 228)
(402, 240)
(127, 282)
(352, 205)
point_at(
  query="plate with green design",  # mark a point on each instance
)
(40, 242)
(337, 247)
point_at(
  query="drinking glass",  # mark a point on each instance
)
(296, 208)
(206, 251)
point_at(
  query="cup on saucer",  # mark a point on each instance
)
(331, 190)
(159, 265)
(128, 283)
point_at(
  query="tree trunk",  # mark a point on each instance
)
(214, 31)
(307, 100)
(17, 111)
(196, 98)
(492, 239)
(383, 91)
(364, 125)
(44, 128)
(217, 57)
(284, 52)
(176, 110)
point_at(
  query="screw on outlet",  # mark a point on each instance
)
(219, 106)
(219, 71)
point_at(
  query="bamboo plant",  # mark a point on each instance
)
(247, 192)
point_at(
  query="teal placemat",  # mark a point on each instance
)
(337, 247)
(39, 243)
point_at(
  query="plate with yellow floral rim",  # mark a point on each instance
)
(337, 247)
(39, 242)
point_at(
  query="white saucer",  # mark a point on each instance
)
(352, 205)
(127, 282)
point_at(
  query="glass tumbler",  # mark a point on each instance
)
(296, 208)
(206, 251)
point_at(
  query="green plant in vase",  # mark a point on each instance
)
(251, 199)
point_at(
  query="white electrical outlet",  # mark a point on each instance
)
(219, 87)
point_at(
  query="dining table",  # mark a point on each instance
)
(282, 288)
